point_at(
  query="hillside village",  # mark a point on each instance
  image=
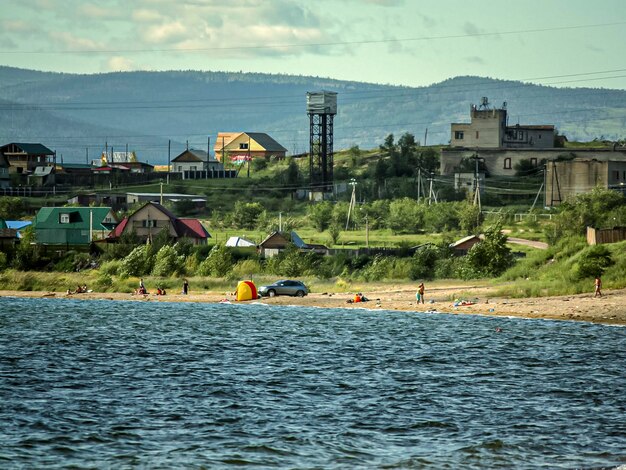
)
(97, 212)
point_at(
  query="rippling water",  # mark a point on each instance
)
(156, 385)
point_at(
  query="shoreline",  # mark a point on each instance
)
(609, 309)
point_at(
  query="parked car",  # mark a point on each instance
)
(284, 287)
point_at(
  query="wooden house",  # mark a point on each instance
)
(150, 219)
(23, 158)
(243, 146)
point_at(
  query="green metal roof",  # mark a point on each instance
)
(49, 229)
(31, 149)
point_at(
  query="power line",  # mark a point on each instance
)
(319, 44)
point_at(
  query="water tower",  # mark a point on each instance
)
(321, 106)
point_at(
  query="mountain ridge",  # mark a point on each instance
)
(147, 109)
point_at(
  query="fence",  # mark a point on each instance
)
(610, 235)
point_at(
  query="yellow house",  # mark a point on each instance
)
(243, 146)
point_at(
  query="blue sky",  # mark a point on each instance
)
(402, 42)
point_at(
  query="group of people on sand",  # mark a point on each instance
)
(79, 290)
(141, 290)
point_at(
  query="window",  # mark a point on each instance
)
(616, 175)
(243, 146)
(149, 223)
(64, 218)
(476, 135)
(507, 163)
(458, 135)
(533, 161)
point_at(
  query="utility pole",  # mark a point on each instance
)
(419, 182)
(169, 162)
(425, 136)
(249, 157)
(538, 192)
(161, 183)
(431, 192)
(352, 205)
(367, 233)
(208, 155)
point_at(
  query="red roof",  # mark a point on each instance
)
(117, 232)
(192, 228)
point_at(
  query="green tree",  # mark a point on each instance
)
(334, 232)
(405, 216)
(470, 217)
(355, 155)
(139, 262)
(292, 174)
(218, 263)
(491, 257)
(11, 207)
(245, 214)
(167, 262)
(320, 215)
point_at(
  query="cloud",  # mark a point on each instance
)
(145, 15)
(119, 64)
(167, 33)
(15, 26)
(72, 42)
(92, 11)
(475, 60)
(471, 29)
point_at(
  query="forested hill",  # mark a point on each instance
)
(71, 112)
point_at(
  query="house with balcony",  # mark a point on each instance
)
(152, 218)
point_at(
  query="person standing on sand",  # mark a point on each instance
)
(598, 287)
(142, 288)
(185, 287)
(420, 293)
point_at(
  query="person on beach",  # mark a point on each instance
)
(598, 287)
(185, 287)
(142, 288)
(420, 293)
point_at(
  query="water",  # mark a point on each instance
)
(102, 384)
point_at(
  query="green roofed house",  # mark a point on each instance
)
(73, 225)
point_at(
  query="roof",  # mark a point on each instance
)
(261, 138)
(29, 148)
(117, 231)
(191, 228)
(17, 224)
(238, 241)
(539, 127)
(464, 239)
(295, 239)
(48, 217)
(168, 195)
(76, 166)
(191, 155)
(266, 141)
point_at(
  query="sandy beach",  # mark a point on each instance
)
(608, 309)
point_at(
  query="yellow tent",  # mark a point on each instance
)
(246, 290)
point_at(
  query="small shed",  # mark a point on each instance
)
(462, 246)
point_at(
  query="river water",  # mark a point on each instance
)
(103, 384)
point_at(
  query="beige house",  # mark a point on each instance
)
(152, 218)
(244, 146)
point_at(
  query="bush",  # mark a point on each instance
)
(218, 263)
(3, 261)
(104, 281)
(489, 258)
(167, 262)
(137, 263)
(593, 262)
(246, 268)
(111, 268)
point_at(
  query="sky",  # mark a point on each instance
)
(399, 42)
